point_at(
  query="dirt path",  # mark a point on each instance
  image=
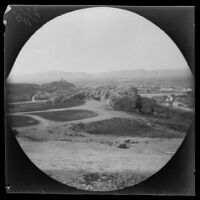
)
(43, 123)
(103, 111)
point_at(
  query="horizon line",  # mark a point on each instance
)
(102, 71)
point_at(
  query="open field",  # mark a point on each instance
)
(42, 106)
(66, 115)
(21, 121)
(100, 167)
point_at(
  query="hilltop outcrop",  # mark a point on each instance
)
(56, 91)
(61, 84)
(126, 98)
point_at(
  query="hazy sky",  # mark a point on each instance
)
(98, 40)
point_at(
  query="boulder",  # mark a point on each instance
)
(123, 146)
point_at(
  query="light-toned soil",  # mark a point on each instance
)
(92, 156)
(94, 162)
(59, 158)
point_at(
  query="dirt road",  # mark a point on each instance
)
(103, 111)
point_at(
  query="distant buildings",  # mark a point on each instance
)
(168, 100)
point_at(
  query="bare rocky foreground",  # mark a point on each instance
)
(79, 154)
(95, 166)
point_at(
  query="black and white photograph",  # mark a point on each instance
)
(100, 98)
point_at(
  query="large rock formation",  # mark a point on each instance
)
(145, 105)
(124, 98)
(128, 99)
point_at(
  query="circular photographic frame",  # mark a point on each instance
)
(90, 103)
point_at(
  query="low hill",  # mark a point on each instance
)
(20, 92)
(125, 127)
(62, 84)
(56, 90)
(25, 91)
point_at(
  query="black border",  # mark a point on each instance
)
(174, 178)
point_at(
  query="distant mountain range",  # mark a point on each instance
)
(102, 77)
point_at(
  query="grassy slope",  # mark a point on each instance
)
(66, 115)
(20, 92)
(179, 120)
(21, 121)
(43, 106)
(125, 127)
(24, 91)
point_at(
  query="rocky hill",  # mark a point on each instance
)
(55, 89)
(61, 84)
(126, 98)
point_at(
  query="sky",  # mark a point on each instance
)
(96, 40)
